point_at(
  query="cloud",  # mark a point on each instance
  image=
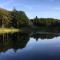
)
(6, 4)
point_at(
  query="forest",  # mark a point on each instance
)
(18, 19)
(14, 18)
(49, 24)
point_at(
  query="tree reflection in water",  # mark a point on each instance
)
(15, 41)
(19, 40)
(44, 35)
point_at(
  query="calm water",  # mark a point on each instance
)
(23, 46)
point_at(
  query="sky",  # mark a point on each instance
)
(33, 8)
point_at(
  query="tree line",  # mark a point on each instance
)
(17, 19)
(45, 21)
(13, 18)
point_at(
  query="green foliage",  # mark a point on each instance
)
(19, 18)
(45, 23)
(13, 18)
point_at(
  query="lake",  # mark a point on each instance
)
(26, 46)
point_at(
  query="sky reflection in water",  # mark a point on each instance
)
(41, 49)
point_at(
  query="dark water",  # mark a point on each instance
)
(24, 46)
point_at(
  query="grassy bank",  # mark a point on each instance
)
(9, 30)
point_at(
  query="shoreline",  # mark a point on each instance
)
(9, 30)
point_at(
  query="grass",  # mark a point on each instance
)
(9, 30)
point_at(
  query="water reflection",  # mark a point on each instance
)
(20, 46)
(44, 35)
(19, 40)
(16, 40)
